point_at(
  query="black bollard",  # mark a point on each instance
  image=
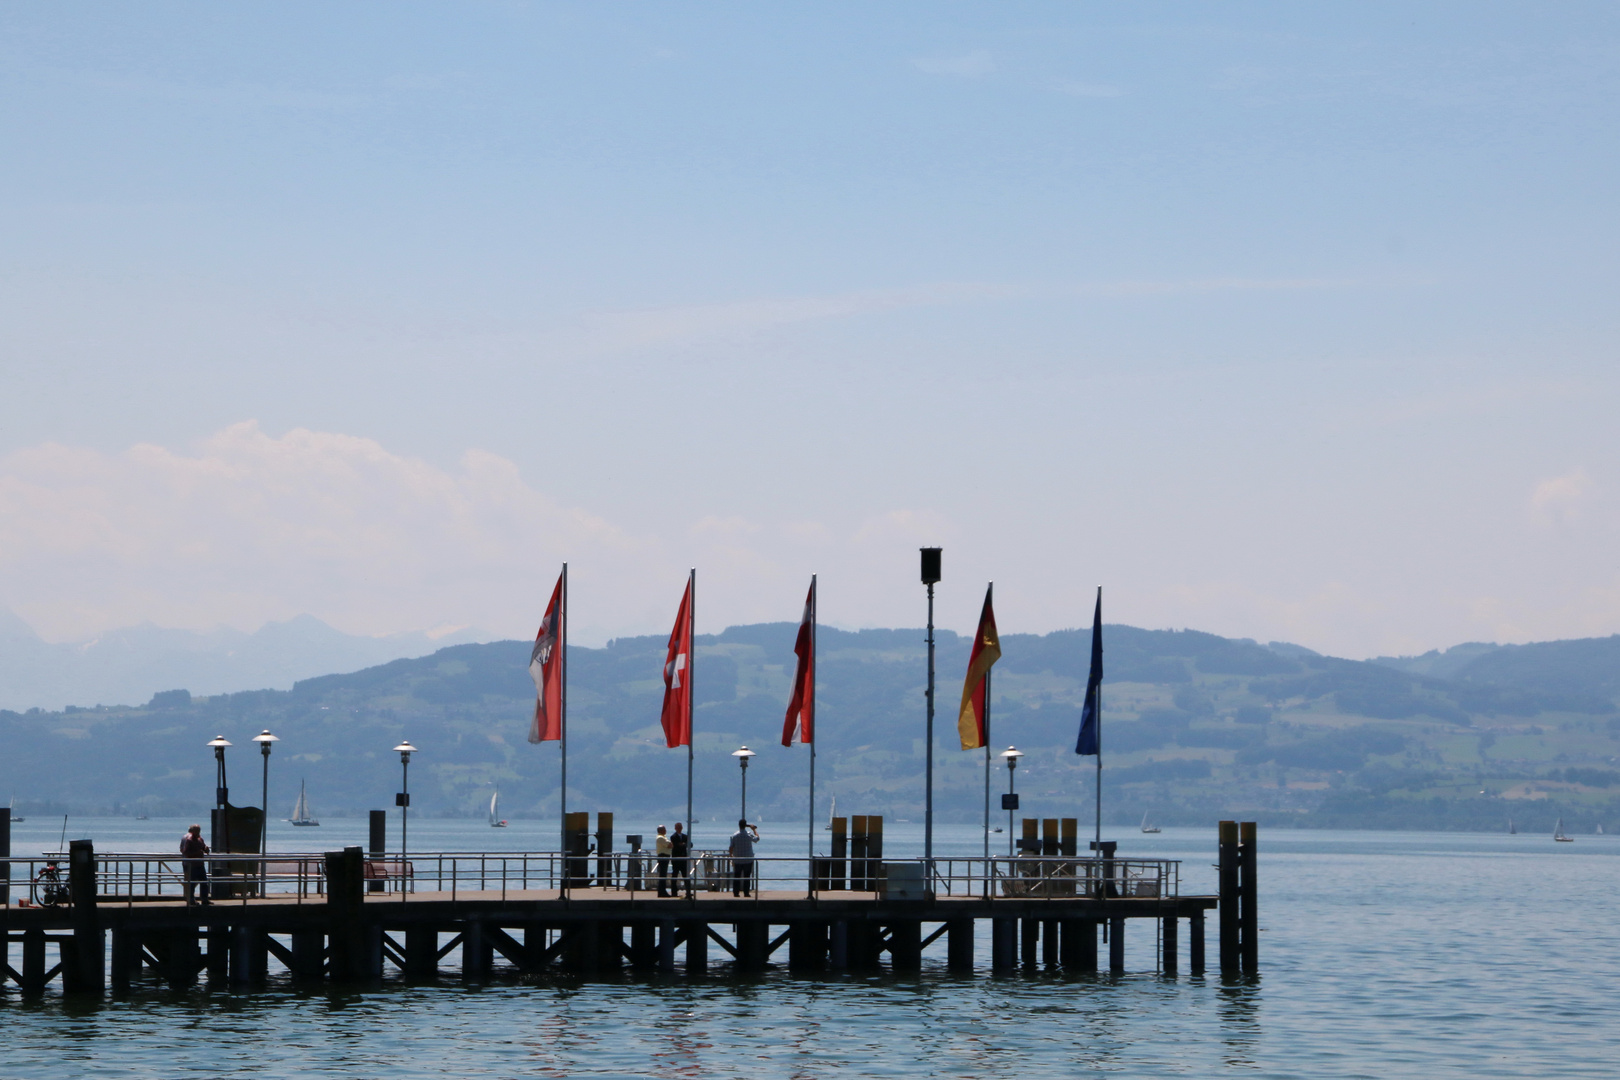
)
(345, 898)
(378, 846)
(1249, 913)
(87, 971)
(1227, 863)
(1195, 944)
(959, 945)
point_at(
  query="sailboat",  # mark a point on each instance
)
(830, 815)
(1511, 830)
(495, 819)
(300, 814)
(1558, 833)
(11, 813)
(1600, 828)
(1146, 827)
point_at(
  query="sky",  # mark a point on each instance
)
(1291, 322)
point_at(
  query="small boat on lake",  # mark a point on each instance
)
(300, 814)
(12, 813)
(1558, 833)
(830, 815)
(495, 819)
(1146, 827)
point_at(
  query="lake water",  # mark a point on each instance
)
(1383, 955)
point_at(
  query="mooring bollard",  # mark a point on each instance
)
(1227, 864)
(345, 897)
(1249, 916)
(84, 966)
(379, 848)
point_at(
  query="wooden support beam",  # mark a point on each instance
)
(714, 936)
(958, 945)
(279, 951)
(905, 945)
(807, 945)
(1195, 944)
(696, 935)
(753, 940)
(448, 947)
(1116, 946)
(838, 945)
(477, 957)
(308, 954)
(1029, 938)
(643, 945)
(1049, 944)
(126, 958)
(1003, 945)
(497, 940)
(667, 936)
(1169, 962)
(219, 952)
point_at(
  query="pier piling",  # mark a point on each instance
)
(1227, 870)
(1248, 893)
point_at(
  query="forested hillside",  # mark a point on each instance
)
(1195, 726)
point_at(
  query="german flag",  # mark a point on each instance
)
(974, 721)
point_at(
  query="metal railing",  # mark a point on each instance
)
(131, 878)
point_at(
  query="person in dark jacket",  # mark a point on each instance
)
(680, 850)
(193, 855)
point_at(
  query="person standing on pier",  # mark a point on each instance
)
(680, 850)
(193, 852)
(661, 848)
(742, 858)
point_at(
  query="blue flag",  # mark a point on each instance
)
(1090, 741)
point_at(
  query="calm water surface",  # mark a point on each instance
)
(1384, 954)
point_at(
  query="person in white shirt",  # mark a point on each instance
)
(661, 848)
(742, 858)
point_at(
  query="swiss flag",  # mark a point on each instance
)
(545, 668)
(801, 712)
(677, 718)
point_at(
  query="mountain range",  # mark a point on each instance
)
(130, 665)
(1196, 727)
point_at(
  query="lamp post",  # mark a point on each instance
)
(742, 757)
(1011, 756)
(264, 739)
(930, 577)
(403, 801)
(222, 795)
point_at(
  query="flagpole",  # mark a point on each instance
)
(810, 851)
(1098, 835)
(989, 596)
(562, 728)
(691, 713)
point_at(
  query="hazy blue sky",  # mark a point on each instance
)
(1284, 321)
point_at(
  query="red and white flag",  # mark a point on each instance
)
(801, 711)
(545, 668)
(677, 717)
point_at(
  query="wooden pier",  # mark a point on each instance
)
(1042, 913)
